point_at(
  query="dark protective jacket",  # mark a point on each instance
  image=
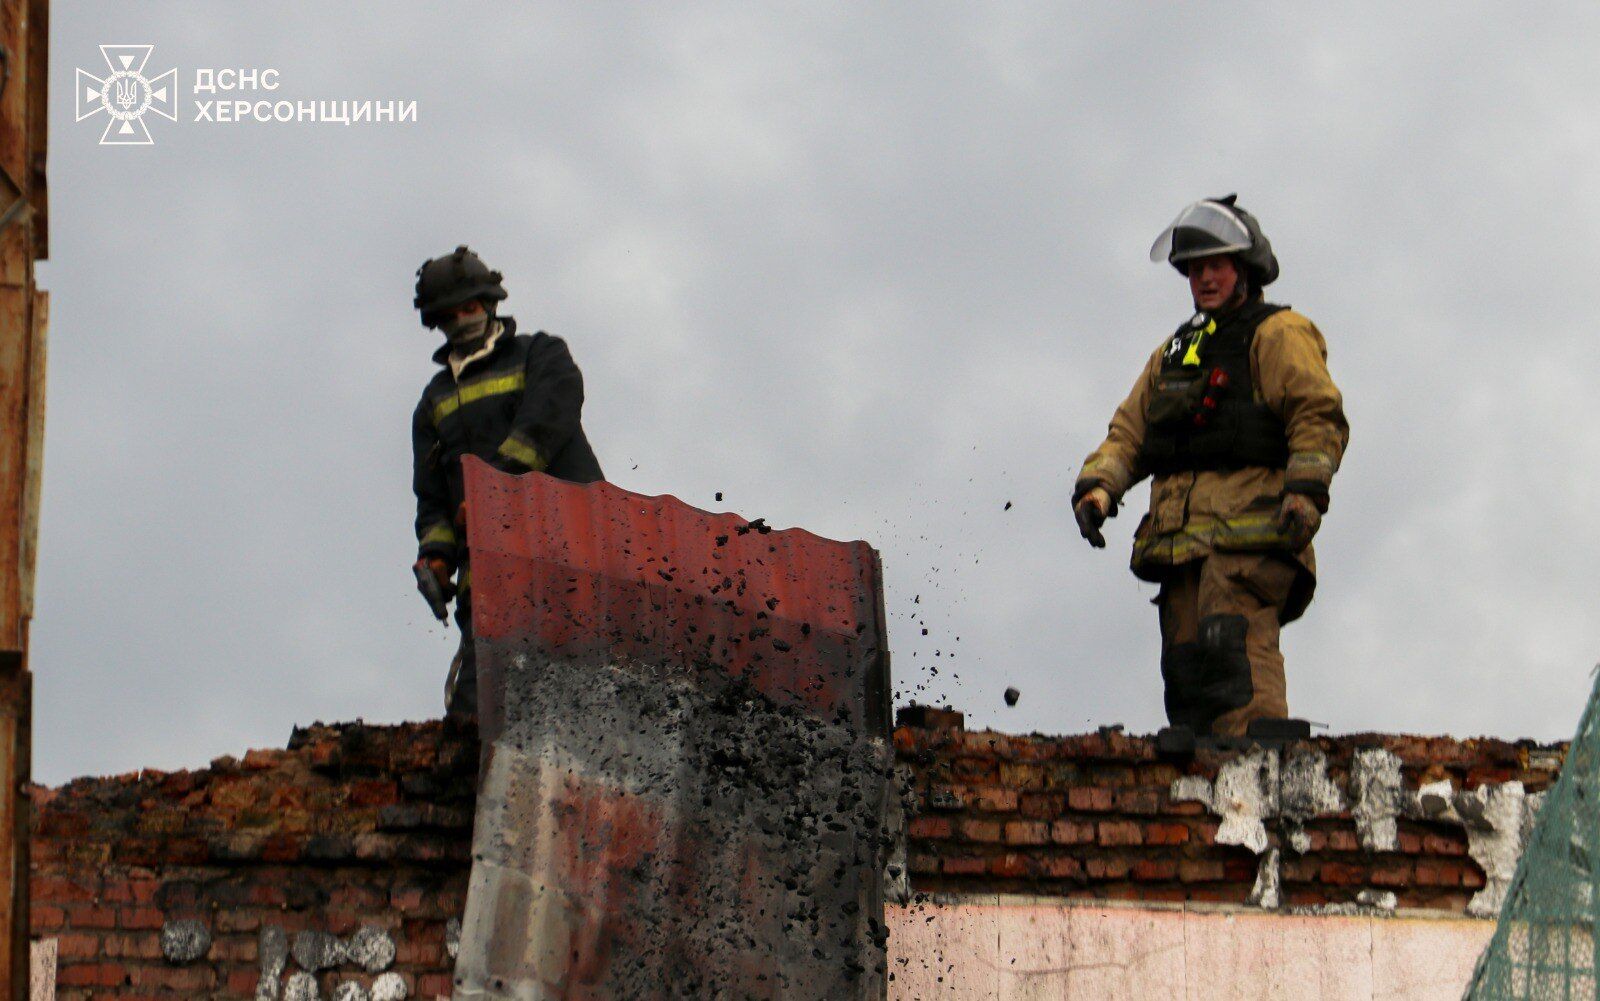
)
(518, 408)
(1204, 413)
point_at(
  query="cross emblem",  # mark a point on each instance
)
(125, 95)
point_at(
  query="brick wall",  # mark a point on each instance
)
(1094, 816)
(351, 827)
(349, 850)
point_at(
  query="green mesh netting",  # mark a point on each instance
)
(1546, 945)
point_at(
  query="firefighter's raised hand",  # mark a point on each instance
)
(1298, 520)
(1091, 511)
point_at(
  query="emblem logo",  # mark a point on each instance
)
(126, 94)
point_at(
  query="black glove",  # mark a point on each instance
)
(1091, 515)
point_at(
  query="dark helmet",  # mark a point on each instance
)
(1218, 226)
(451, 280)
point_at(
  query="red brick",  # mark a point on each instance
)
(46, 917)
(1200, 871)
(993, 799)
(1027, 832)
(937, 828)
(1341, 874)
(374, 792)
(1472, 877)
(1042, 805)
(1116, 833)
(1062, 867)
(91, 916)
(139, 917)
(1071, 832)
(985, 743)
(91, 975)
(966, 865)
(1021, 775)
(1444, 844)
(78, 945)
(1154, 870)
(1142, 802)
(1166, 834)
(1011, 865)
(1342, 841)
(1091, 799)
(1393, 874)
(61, 889)
(1107, 868)
(1410, 843)
(1432, 872)
(242, 983)
(981, 830)
(188, 979)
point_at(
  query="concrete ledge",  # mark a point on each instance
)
(1018, 947)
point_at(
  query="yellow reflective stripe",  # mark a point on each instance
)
(1250, 531)
(441, 532)
(474, 391)
(1192, 356)
(516, 447)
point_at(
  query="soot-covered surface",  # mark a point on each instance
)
(686, 767)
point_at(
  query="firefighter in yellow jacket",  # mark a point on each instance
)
(1241, 428)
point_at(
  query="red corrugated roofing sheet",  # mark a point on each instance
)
(685, 717)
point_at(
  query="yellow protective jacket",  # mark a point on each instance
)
(1193, 513)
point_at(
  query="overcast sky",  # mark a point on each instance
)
(875, 270)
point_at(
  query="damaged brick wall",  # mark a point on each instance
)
(1367, 820)
(337, 868)
(341, 861)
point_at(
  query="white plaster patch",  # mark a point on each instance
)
(1191, 788)
(390, 987)
(1375, 776)
(351, 991)
(1246, 792)
(1266, 892)
(1305, 792)
(301, 987)
(370, 948)
(452, 937)
(184, 941)
(1495, 816)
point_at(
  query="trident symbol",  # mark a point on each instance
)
(127, 91)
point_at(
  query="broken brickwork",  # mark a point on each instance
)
(251, 877)
(342, 861)
(1332, 821)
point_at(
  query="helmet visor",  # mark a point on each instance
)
(1204, 228)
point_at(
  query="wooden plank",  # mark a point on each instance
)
(33, 463)
(15, 338)
(38, 122)
(15, 711)
(14, 100)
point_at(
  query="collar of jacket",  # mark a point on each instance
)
(508, 329)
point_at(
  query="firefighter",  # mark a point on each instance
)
(513, 400)
(1241, 428)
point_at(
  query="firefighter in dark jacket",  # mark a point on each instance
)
(1241, 428)
(513, 400)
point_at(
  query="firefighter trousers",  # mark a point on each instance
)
(1220, 661)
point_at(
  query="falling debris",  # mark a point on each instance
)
(1012, 695)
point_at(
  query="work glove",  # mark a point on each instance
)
(1091, 511)
(1299, 519)
(441, 570)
